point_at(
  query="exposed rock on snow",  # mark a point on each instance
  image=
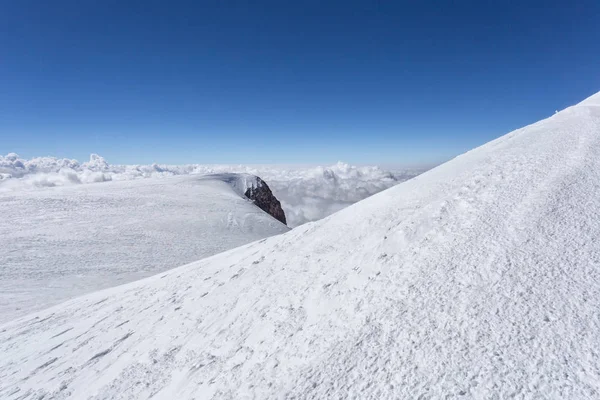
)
(263, 197)
(255, 189)
(477, 279)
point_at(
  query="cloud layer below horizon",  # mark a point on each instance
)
(306, 193)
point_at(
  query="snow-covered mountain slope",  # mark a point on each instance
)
(477, 279)
(58, 243)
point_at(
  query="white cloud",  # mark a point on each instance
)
(306, 193)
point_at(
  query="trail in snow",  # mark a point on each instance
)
(61, 242)
(477, 279)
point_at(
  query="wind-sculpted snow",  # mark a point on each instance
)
(306, 193)
(57, 243)
(477, 279)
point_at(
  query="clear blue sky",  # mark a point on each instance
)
(286, 82)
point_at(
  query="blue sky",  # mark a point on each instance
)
(286, 82)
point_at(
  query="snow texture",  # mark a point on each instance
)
(61, 242)
(477, 279)
(306, 193)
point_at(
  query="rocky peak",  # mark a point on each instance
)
(262, 196)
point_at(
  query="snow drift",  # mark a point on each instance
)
(66, 241)
(477, 279)
(306, 193)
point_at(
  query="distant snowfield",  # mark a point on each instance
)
(477, 279)
(306, 193)
(58, 243)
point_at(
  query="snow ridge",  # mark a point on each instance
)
(240, 182)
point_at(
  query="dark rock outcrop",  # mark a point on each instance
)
(262, 196)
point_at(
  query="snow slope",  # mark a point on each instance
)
(58, 243)
(478, 279)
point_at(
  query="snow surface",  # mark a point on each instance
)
(306, 193)
(61, 242)
(477, 279)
